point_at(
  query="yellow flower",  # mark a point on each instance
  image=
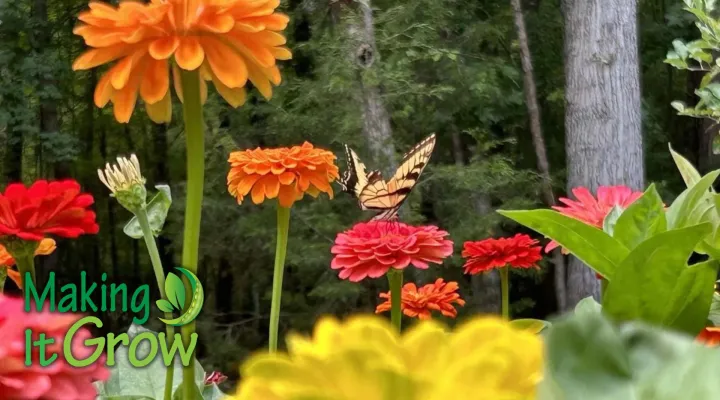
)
(364, 358)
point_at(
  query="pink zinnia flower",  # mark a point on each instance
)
(593, 211)
(519, 251)
(370, 249)
(58, 380)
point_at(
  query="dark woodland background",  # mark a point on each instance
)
(445, 66)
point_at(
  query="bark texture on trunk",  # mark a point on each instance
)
(376, 120)
(538, 139)
(602, 117)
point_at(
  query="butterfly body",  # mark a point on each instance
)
(375, 193)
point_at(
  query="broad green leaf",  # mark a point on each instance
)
(691, 300)
(212, 392)
(641, 220)
(529, 324)
(175, 291)
(180, 394)
(588, 305)
(164, 306)
(689, 174)
(146, 382)
(611, 219)
(643, 284)
(681, 211)
(590, 359)
(592, 246)
(157, 210)
(714, 314)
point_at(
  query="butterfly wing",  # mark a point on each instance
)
(389, 196)
(354, 178)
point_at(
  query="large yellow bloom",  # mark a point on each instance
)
(230, 41)
(365, 359)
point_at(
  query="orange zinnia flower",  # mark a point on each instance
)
(46, 246)
(710, 336)
(286, 173)
(438, 296)
(231, 41)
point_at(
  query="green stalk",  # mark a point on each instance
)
(505, 291)
(25, 262)
(603, 287)
(395, 279)
(195, 150)
(160, 277)
(283, 226)
(3, 278)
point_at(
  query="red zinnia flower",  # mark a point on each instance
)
(710, 336)
(372, 248)
(438, 296)
(44, 208)
(593, 211)
(56, 381)
(520, 251)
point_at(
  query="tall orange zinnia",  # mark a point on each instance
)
(230, 41)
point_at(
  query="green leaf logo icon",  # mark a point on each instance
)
(176, 299)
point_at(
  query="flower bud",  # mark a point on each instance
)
(125, 182)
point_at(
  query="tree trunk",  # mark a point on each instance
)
(602, 118)
(13, 155)
(376, 121)
(538, 141)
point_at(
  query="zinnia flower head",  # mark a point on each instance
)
(46, 247)
(286, 173)
(230, 41)
(214, 378)
(418, 303)
(45, 208)
(59, 380)
(125, 182)
(365, 358)
(710, 336)
(370, 249)
(593, 211)
(519, 251)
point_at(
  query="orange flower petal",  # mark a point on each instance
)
(15, 276)
(103, 90)
(218, 23)
(281, 53)
(260, 81)
(274, 22)
(243, 187)
(258, 193)
(189, 54)
(287, 196)
(46, 246)
(226, 64)
(234, 96)
(124, 100)
(120, 73)
(272, 186)
(160, 112)
(94, 57)
(286, 178)
(163, 48)
(156, 81)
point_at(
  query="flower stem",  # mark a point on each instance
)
(160, 277)
(3, 278)
(603, 287)
(395, 279)
(25, 262)
(505, 291)
(195, 150)
(283, 226)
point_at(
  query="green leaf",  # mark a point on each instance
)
(611, 218)
(714, 314)
(127, 381)
(529, 324)
(588, 305)
(643, 219)
(592, 246)
(643, 284)
(692, 297)
(634, 361)
(682, 210)
(180, 394)
(157, 210)
(175, 291)
(164, 306)
(689, 174)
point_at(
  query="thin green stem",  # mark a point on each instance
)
(25, 262)
(505, 291)
(195, 150)
(3, 278)
(283, 226)
(603, 287)
(395, 280)
(160, 277)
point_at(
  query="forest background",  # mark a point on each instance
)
(379, 81)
